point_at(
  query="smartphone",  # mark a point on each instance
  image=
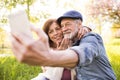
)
(19, 22)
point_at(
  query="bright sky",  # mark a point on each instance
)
(51, 8)
(59, 10)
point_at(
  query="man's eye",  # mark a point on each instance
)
(68, 24)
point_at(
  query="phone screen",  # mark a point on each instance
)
(19, 22)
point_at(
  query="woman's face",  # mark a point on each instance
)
(55, 33)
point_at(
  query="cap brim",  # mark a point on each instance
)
(62, 17)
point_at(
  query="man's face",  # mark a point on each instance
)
(69, 28)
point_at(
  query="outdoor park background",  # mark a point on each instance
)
(104, 14)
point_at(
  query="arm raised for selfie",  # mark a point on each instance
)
(63, 58)
(37, 52)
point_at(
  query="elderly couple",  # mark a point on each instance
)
(70, 50)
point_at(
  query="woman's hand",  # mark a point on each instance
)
(66, 42)
(82, 31)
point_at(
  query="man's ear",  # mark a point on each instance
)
(79, 23)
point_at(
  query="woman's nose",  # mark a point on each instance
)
(55, 32)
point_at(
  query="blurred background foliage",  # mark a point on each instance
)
(103, 14)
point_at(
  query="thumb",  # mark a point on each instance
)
(58, 44)
(40, 33)
(42, 36)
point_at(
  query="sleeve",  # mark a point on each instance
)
(87, 50)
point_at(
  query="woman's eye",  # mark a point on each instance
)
(58, 28)
(50, 32)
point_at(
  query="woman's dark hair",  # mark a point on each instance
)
(46, 27)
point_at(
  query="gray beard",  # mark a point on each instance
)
(71, 35)
(67, 36)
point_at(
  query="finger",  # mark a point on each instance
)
(87, 29)
(42, 36)
(23, 39)
(14, 37)
(39, 32)
(67, 40)
(65, 43)
(16, 48)
(83, 33)
(69, 43)
(13, 45)
(58, 44)
(61, 45)
(80, 33)
(21, 51)
(36, 30)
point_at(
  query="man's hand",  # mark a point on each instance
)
(30, 51)
(37, 52)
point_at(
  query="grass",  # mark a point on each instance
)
(10, 69)
(113, 52)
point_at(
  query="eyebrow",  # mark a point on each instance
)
(65, 23)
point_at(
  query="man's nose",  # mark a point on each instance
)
(55, 32)
(64, 29)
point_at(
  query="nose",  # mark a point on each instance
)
(55, 32)
(64, 29)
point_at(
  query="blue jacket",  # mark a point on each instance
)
(93, 63)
